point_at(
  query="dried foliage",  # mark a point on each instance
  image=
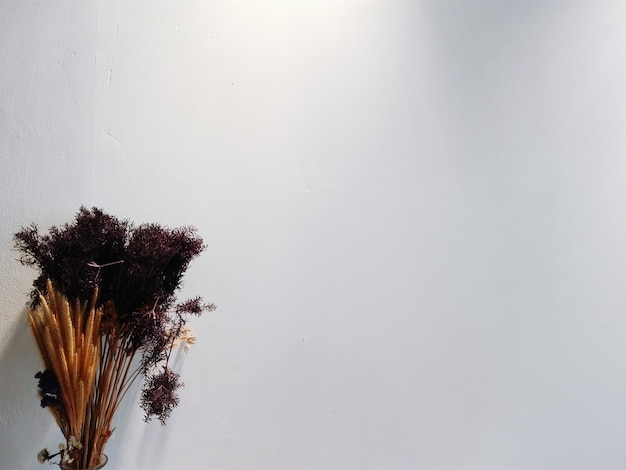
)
(106, 295)
(159, 397)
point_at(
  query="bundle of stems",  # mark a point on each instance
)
(93, 367)
(116, 373)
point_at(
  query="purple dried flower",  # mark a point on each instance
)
(67, 254)
(49, 389)
(158, 397)
(137, 268)
(194, 307)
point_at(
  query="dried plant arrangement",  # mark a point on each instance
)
(104, 314)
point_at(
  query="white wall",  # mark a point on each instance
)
(414, 214)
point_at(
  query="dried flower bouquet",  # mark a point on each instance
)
(104, 313)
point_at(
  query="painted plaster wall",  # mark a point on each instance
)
(413, 212)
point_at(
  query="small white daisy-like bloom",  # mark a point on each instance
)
(43, 455)
(73, 443)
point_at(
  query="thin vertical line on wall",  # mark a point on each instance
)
(94, 106)
(107, 28)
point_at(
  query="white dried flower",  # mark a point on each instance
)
(186, 336)
(73, 443)
(43, 455)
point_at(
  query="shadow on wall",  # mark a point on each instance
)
(154, 437)
(25, 427)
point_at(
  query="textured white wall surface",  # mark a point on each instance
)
(415, 217)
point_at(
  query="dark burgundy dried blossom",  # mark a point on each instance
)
(49, 389)
(137, 268)
(194, 307)
(155, 261)
(158, 397)
(69, 255)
